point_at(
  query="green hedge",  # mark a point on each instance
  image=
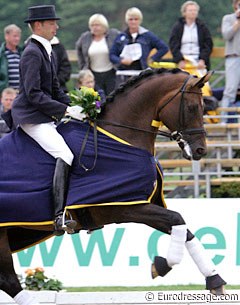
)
(226, 190)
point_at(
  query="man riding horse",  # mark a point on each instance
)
(41, 103)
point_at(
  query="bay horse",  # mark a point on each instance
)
(130, 118)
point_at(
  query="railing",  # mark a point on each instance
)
(220, 165)
(218, 52)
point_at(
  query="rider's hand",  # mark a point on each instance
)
(75, 112)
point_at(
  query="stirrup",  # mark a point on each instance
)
(68, 225)
(62, 225)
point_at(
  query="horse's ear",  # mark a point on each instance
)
(199, 82)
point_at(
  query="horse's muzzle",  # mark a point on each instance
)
(199, 153)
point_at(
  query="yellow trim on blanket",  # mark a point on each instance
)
(153, 192)
(24, 223)
(162, 195)
(77, 206)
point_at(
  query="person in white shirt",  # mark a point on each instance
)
(190, 38)
(93, 52)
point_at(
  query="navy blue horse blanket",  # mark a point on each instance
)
(123, 174)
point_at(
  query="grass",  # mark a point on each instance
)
(143, 288)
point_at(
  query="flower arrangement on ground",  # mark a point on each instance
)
(37, 280)
(88, 99)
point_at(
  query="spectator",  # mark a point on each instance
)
(231, 35)
(10, 54)
(8, 95)
(132, 47)
(86, 78)
(93, 52)
(190, 38)
(63, 65)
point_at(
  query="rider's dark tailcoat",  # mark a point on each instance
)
(40, 98)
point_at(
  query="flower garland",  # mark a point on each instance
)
(88, 99)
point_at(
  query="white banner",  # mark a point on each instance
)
(121, 255)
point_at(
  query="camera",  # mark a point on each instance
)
(238, 11)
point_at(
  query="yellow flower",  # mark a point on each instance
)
(88, 99)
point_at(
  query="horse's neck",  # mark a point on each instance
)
(135, 115)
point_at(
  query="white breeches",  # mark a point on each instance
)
(50, 140)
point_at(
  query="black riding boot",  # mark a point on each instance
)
(60, 187)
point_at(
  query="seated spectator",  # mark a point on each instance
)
(86, 78)
(93, 52)
(8, 95)
(132, 47)
(190, 40)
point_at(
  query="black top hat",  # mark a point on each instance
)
(41, 12)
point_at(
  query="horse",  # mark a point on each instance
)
(130, 118)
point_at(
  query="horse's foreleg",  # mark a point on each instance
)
(9, 282)
(170, 222)
(214, 282)
(155, 216)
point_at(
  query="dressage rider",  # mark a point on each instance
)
(41, 103)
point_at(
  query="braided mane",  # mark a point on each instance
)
(135, 79)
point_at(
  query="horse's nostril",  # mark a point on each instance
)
(201, 151)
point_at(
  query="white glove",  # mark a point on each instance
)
(75, 112)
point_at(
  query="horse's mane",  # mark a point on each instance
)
(135, 79)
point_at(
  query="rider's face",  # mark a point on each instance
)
(47, 29)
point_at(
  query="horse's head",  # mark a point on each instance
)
(173, 97)
(186, 120)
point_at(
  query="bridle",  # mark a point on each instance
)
(176, 135)
(181, 119)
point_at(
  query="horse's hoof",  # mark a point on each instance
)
(218, 291)
(215, 284)
(159, 267)
(154, 271)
